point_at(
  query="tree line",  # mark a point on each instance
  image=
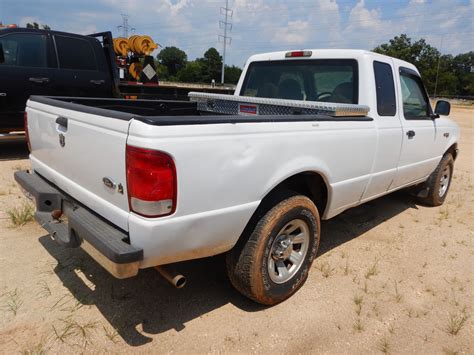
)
(446, 74)
(443, 74)
(173, 65)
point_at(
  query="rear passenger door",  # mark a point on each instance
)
(25, 71)
(81, 69)
(418, 156)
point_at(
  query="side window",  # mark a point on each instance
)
(25, 50)
(385, 88)
(75, 53)
(415, 101)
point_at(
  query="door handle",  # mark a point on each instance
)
(97, 82)
(410, 134)
(39, 80)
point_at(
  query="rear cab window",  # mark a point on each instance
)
(75, 53)
(327, 80)
(385, 89)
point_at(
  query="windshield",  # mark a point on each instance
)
(328, 80)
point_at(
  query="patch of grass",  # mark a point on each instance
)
(366, 287)
(384, 345)
(372, 270)
(358, 326)
(38, 349)
(19, 216)
(448, 351)
(326, 269)
(456, 321)
(44, 290)
(13, 301)
(72, 328)
(358, 299)
(111, 334)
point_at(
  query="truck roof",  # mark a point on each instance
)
(328, 54)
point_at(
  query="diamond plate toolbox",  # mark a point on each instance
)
(252, 106)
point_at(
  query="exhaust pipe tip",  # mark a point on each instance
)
(174, 278)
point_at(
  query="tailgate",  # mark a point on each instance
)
(84, 155)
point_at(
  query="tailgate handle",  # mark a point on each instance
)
(62, 121)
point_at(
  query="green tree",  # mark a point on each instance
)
(211, 64)
(232, 74)
(463, 66)
(172, 58)
(421, 54)
(35, 25)
(191, 73)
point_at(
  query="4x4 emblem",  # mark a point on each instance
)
(62, 140)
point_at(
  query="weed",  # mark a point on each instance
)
(398, 296)
(456, 321)
(391, 329)
(448, 351)
(326, 269)
(74, 328)
(425, 264)
(366, 287)
(13, 301)
(111, 334)
(372, 270)
(358, 302)
(346, 268)
(444, 244)
(343, 254)
(430, 290)
(19, 216)
(38, 349)
(384, 345)
(358, 326)
(44, 290)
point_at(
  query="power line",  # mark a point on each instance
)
(125, 27)
(226, 25)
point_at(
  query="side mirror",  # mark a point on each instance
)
(442, 108)
(2, 57)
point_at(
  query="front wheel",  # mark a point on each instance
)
(439, 182)
(273, 262)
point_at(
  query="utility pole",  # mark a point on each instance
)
(439, 60)
(226, 25)
(125, 26)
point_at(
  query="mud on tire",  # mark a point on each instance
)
(256, 265)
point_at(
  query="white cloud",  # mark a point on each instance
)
(295, 33)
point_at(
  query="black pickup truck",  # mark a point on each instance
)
(53, 63)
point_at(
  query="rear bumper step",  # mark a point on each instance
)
(103, 242)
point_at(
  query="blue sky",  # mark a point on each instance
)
(260, 25)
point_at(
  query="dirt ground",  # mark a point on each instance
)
(391, 276)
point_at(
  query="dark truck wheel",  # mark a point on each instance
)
(436, 187)
(273, 261)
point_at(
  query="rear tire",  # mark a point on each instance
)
(274, 259)
(439, 182)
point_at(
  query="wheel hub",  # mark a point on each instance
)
(288, 251)
(282, 248)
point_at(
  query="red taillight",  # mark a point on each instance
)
(296, 54)
(151, 182)
(27, 135)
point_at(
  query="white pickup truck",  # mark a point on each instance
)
(307, 135)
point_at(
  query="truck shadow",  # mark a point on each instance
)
(147, 304)
(13, 150)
